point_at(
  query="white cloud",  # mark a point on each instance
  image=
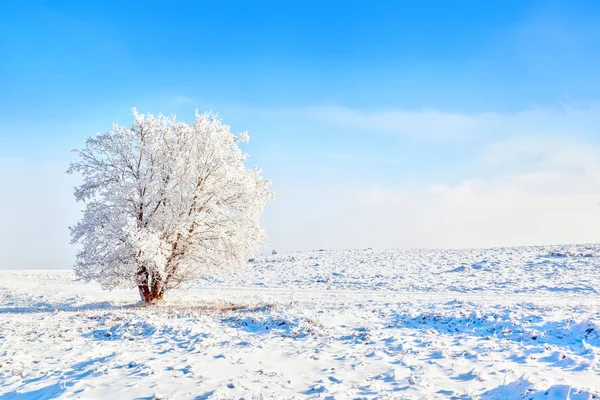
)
(438, 125)
(543, 153)
(428, 124)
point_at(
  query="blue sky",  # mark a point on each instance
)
(381, 123)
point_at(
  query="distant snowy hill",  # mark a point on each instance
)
(541, 269)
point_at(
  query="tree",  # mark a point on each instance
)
(165, 202)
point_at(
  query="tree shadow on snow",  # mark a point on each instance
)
(44, 307)
(260, 320)
(48, 392)
(74, 374)
(205, 396)
(525, 328)
(524, 389)
(547, 341)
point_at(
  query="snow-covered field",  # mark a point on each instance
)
(491, 324)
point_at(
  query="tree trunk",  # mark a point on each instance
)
(150, 291)
(150, 295)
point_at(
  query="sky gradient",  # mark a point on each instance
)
(381, 124)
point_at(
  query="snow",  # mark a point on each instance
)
(493, 324)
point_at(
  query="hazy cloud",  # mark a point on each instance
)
(543, 191)
(444, 126)
(37, 208)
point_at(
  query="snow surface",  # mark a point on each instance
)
(492, 324)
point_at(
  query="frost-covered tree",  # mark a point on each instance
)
(165, 201)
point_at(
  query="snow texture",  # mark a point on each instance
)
(517, 323)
